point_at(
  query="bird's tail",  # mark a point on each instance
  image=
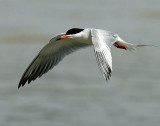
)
(129, 46)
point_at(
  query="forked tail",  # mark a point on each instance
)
(128, 46)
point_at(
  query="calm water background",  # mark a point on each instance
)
(74, 93)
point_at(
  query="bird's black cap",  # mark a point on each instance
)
(74, 31)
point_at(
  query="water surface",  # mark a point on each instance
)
(74, 93)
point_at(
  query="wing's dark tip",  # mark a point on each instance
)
(104, 67)
(19, 86)
(23, 81)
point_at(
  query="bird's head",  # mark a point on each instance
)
(71, 33)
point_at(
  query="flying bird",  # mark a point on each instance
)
(65, 43)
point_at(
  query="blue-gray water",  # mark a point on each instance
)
(74, 93)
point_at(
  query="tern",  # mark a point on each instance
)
(65, 43)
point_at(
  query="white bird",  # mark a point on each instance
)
(61, 45)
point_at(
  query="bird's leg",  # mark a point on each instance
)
(120, 45)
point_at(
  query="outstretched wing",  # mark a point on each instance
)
(102, 41)
(48, 57)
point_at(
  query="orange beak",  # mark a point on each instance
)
(64, 36)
